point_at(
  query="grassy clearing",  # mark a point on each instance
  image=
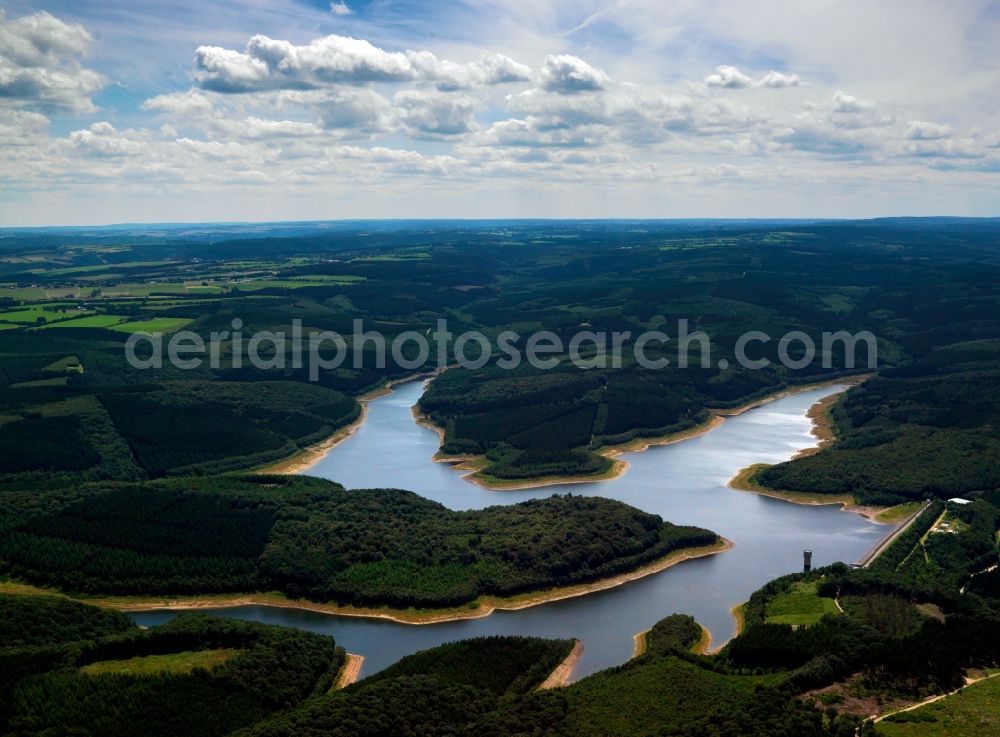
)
(900, 511)
(96, 268)
(153, 325)
(93, 321)
(972, 712)
(54, 381)
(177, 663)
(800, 605)
(69, 363)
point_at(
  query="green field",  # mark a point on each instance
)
(30, 315)
(899, 512)
(178, 663)
(96, 268)
(93, 321)
(800, 605)
(153, 325)
(972, 712)
(68, 363)
(320, 280)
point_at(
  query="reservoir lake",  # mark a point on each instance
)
(684, 482)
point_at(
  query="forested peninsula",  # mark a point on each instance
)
(311, 539)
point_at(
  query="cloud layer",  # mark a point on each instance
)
(609, 111)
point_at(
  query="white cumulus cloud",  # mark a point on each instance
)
(921, 130)
(775, 79)
(728, 76)
(567, 74)
(274, 64)
(40, 64)
(731, 77)
(434, 114)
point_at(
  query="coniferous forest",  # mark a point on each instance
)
(118, 482)
(311, 538)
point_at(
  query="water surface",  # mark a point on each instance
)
(684, 482)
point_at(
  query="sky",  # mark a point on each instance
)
(130, 111)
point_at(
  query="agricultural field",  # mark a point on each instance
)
(153, 325)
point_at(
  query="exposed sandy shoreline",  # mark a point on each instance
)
(741, 622)
(349, 672)
(823, 431)
(743, 481)
(484, 606)
(472, 465)
(702, 647)
(559, 677)
(306, 458)
(640, 642)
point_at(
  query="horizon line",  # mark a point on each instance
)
(232, 223)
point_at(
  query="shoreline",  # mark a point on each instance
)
(348, 672)
(485, 606)
(305, 458)
(741, 622)
(789, 391)
(640, 642)
(823, 430)
(473, 465)
(559, 677)
(743, 481)
(704, 645)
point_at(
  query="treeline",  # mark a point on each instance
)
(448, 690)
(34, 621)
(311, 538)
(108, 422)
(45, 689)
(501, 665)
(434, 694)
(535, 423)
(909, 435)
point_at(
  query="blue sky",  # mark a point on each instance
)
(251, 110)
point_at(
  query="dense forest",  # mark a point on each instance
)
(71, 681)
(911, 625)
(110, 477)
(898, 638)
(925, 288)
(310, 538)
(917, 433)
